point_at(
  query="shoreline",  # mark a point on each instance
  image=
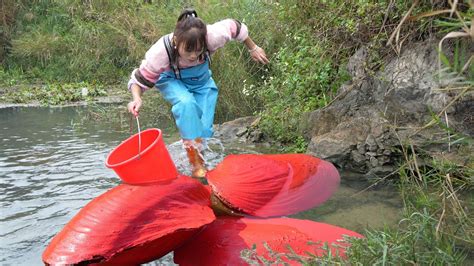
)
(99, 100)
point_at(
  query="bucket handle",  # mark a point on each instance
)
(139, 135)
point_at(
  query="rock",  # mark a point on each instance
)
(361, 148)
(384, 159)
(357, 63)
(370, 154)
(241, 131)
(373, 162)
(370, 143)
(373, 115)
(234, 130)
(255, 136)
(357, 157)
(337, 144)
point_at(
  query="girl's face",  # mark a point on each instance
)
(189, 55)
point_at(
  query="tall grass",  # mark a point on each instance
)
(70, 41)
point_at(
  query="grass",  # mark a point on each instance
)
(101, 42)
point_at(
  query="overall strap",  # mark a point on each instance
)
(208, 55)
(172, 55)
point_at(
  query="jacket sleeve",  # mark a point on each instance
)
(155, 62)
(219, 33)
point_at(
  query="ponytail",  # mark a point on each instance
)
(186, 13)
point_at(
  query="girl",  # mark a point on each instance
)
(178, 65)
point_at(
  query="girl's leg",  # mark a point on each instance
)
(186, 111)
(195, 157)
(187, 114)
(206, 98)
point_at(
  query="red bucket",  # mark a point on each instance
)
(151, 165)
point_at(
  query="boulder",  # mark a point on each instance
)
(362, 130)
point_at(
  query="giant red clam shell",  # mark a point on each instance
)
(273, 185)
(133, 224)
(222, 241)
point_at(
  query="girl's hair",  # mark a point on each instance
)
(190, 31)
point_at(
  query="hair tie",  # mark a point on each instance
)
(186, 14)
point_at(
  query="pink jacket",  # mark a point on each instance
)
(156, 59)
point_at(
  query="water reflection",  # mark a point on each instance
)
(355, 210)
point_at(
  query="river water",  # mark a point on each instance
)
(52, 164)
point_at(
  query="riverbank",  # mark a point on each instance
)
(98, 100)
(60, 95)
(437, 190)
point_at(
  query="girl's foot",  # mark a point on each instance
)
(196, 159)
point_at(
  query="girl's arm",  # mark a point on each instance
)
(155, 62)
(219, 33)
(143, 78)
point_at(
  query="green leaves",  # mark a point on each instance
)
(302, 79)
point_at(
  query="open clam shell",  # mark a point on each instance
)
(133, 224)
(273, 185)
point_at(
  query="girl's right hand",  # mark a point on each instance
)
(134, 106)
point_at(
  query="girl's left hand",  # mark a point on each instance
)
(258, 55)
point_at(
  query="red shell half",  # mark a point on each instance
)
(273, 185)
(221, 242)
(248, 181)
(133, 224)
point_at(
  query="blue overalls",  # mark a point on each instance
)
(194, 99)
